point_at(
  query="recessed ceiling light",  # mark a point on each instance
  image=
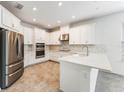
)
(49, 25)
(97, 8)
(73, 17)
(59, 21)
(34, 19)
(60, 4)
(34, 8)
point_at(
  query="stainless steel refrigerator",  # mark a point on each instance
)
(11, 57)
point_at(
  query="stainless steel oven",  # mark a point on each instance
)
(40, 50)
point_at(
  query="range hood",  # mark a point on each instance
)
(64, 37)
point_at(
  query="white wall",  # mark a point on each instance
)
(108, 34)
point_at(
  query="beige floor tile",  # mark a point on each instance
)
(42, 77)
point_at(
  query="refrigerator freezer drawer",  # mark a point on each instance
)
(14, 67)
(10, 79)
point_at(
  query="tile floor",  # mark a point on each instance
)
(42, 77)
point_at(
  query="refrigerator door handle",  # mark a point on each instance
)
(17, 50)
(19, 46)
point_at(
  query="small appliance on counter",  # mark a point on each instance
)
(40, 50)
(11, 57)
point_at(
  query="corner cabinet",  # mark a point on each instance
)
(84, 34)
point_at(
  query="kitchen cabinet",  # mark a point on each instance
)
(74, 78)
(16, 23)
(21, 29)
(54, 38)
(6, 18)
(47, 38)
(9, 20)
(74, 36)
(87, 34)
(28, 35)
(64, 29)
(40, 35)
(84, 34)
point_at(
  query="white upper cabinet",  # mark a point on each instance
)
(74, 36)
(9, 20)
(15, 23)
(47, 38)
(6, 18)
(21, 29)
(88, 34)
(40, 35)
(28, 35)
(91, 34)
(64, 29)
(84, 34)
(54, 38)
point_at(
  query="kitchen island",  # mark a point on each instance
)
(79, 72)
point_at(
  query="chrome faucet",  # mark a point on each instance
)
(86, 46)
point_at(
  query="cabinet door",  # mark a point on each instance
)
(87, 34)
(84, 34)
(54, 38)
(21, 29)
(91, 34)
(64, 29)
(74, 36)
(47, 38)
(28, 35)
(42, 36)
(39, 35)
(16, 23)
(6, 18)
(74, 78)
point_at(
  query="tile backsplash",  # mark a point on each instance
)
(78, 48)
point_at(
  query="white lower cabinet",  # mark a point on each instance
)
(29, 58)
(74, 78)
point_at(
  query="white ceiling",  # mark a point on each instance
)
(48, 12)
